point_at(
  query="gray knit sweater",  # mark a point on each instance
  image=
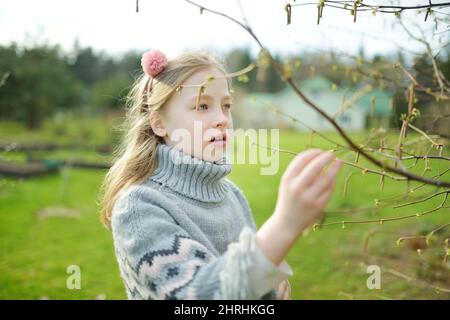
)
(187, 232)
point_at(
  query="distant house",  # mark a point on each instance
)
(351, 108)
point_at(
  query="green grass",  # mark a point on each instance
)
(35, 253)
(65, 129)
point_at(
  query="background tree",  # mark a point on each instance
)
(39, 82)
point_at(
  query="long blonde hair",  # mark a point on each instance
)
(134, 160)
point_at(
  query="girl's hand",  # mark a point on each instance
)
(305, 189)
(284, 290)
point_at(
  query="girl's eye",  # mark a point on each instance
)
(227, 105)
(203, 106)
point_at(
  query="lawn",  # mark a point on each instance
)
(329, 263)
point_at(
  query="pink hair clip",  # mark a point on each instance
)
(153, 62)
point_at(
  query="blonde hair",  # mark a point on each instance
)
(135, 157)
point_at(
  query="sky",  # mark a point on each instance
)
(114, 27)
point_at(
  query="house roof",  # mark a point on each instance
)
(381, 100)
(318, 83)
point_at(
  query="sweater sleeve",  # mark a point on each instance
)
(159, 260)
(249, 216)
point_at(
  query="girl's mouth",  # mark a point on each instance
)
(219, 141)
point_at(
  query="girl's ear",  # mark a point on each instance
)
(158, 126)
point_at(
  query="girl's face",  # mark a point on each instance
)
(199, 132)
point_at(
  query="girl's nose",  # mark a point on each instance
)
(220, 119)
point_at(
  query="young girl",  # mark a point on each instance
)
(181, 229)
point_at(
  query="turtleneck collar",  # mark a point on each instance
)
(191, 176)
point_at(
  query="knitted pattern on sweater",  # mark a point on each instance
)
(187, 232)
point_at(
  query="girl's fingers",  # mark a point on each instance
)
(288, 291)
(323, 198)
(282, 286)
(282, 290)
(322, 182)
(313, 168)
(299, 162)
(287, 296)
